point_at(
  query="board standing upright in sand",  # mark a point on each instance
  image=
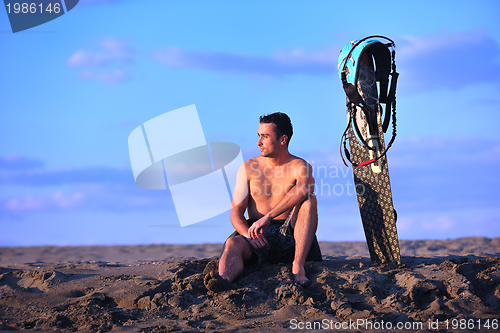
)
(365, 134)
(276, 190)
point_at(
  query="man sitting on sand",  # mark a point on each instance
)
(273, 188)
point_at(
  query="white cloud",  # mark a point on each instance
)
(448, 60)
(111, 77)
(439, 223)
(86, 197)
(16, 162)
(460, 222)
(110, 50)
(110, 62)
(297, 61)
(32, 203)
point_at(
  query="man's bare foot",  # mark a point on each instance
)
(214, 282)
(212, 266)
(299, 274)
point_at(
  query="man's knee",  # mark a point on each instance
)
(312, 199)
(235, 244)
(310, 203)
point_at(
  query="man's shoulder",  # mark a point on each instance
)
(252, 164)
(298, 161)
(255, 160)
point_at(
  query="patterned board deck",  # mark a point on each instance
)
(373, 187)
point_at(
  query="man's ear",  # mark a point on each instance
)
(283, 139)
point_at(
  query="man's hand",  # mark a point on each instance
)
(257, 228)
(259, 243)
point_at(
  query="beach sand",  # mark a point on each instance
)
(159, 288)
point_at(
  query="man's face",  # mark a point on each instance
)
(269, 143)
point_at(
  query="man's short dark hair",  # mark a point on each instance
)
(282, 122)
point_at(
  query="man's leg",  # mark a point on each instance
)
(305, 223)
(232, 261)
(231, 264)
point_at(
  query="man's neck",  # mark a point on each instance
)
(278, 161)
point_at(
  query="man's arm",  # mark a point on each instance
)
(299, 192)
(240, 204)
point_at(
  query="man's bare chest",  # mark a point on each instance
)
(270, 184)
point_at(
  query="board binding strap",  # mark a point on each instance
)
(361, 65)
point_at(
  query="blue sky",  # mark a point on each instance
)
(73, 89)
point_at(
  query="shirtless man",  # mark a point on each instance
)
(270, 187)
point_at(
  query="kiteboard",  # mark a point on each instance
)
(361, 65)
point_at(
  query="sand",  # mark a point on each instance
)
(445, 285)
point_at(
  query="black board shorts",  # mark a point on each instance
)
(259, 257)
